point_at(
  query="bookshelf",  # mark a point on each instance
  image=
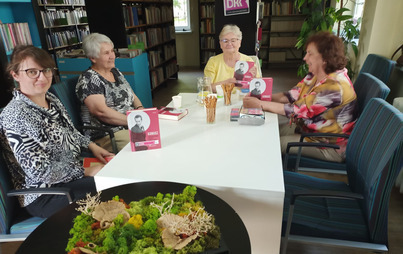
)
(281, 25)
(207, 30)
(63, 24)
(140, 24)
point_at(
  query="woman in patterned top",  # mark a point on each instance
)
(39, 141)
(104, 93)
(324, 101)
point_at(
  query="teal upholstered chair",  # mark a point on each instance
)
(353, 214)
(379, 66)
(66, 92)
(366, 87)
(15, 223)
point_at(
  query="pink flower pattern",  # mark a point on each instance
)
(328, 106)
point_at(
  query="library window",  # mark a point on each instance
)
(182, 15)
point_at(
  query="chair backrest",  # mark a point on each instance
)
(374, 158)
(367, 86)
(379, 66)
(66, 92)
(8, 206)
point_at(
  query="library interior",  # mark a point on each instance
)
(166, 50)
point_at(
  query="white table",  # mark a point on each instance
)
(238, 163)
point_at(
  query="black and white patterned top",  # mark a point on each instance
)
(119, 96)
(41, 146)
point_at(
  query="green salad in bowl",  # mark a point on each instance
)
(165, 223)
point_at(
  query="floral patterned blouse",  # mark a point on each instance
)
(118, 96)
(41, 146)
(327, 107)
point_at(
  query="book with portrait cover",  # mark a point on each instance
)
(242, 70)
(261, 88)
(171, 113)
(144, 129)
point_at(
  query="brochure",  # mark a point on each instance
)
(144, 129)
(261, 88)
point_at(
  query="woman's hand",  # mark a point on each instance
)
(251, 102)
(253, 71)
(269, 106)
(227, 81)
(99, 152)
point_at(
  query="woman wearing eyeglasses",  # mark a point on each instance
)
(40, 144)
(221, 68)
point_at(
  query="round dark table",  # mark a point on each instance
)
(53, 234)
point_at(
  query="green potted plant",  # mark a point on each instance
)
(320, 16)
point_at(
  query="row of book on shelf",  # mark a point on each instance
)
(158, 75)
(281, 8)
(66, 2)
(135, 15)
(156, 57)
(14, 34)
(159, 35)
(205, 55)
(207, 42)
(207, 11)
(207, 26)
(65, 38)
(61, 17)
(152, 36)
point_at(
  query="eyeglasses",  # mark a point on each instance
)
(35, 73)
(226, 41)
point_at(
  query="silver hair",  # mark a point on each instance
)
(92, 44)
(231, 29)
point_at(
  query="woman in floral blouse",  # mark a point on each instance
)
(40, 144)
(324, 101)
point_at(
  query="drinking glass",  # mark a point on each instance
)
(203, 89)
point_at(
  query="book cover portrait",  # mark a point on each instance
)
(242, 70)
(261, 88)
(144, 129)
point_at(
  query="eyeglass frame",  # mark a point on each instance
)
(232, 41)
(39, 72)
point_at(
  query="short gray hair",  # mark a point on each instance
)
(92, 44)
(231, 29)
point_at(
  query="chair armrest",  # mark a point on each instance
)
(310, 144)
(43, 191)
(109, 131)
(323, 194)
(319, 134)
(300, 145)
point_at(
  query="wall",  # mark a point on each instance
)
(187, 44)
(381, 31)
